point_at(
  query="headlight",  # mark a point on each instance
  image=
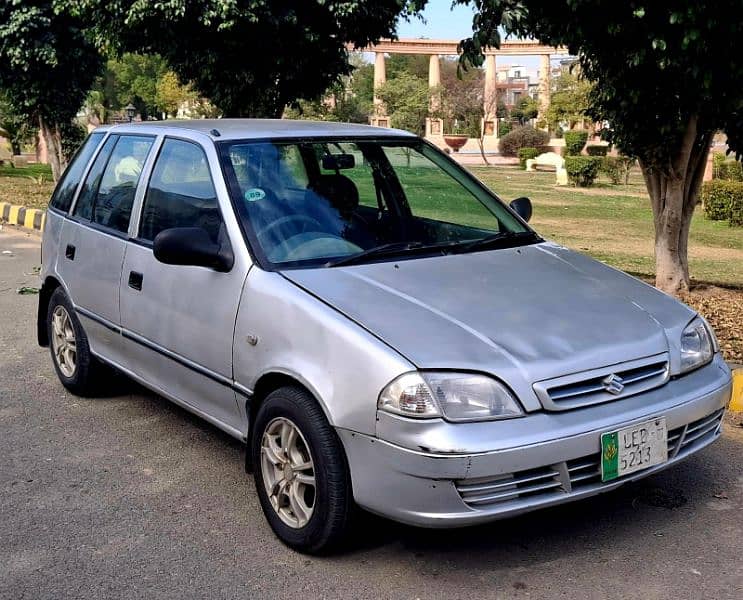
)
(697, 346)
(454, 396)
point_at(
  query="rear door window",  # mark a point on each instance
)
(108, 193)
(65, 191)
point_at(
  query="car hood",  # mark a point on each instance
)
(537, 312)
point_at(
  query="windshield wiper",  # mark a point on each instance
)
(384, 249)
(504, 239)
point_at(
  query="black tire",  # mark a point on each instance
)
(330, 522)
(87, 376)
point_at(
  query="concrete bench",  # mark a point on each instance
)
(552, 160)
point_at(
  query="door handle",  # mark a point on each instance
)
(135, 280)
(70, 252)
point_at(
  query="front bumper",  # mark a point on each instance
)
(438, 474)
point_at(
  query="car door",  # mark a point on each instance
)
(178, 321)
(93, 240)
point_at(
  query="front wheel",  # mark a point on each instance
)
(301, 473)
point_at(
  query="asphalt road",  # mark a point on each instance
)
(131, 497)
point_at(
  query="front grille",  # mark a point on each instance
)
(595, 386)
(575, 475)
(485, 491)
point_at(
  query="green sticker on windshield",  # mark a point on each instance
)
(254, 194)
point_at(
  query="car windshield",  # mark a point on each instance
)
(320, 203)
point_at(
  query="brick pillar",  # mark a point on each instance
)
(379, 117)
(544, 86)
(434, 125)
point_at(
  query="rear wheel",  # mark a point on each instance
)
(76, 368)
(301, 473)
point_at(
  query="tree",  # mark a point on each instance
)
(667, 76)
(569, 100)
(15, 127)
(142, 79)
(525, 110)
(170, 94)
(407, 99)
(249, 58)
(464, 104)
(47, 66)
(348, 101)
(136, 79)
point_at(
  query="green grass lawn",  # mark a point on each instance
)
(43, 171)
(30, 186)
(614, 223)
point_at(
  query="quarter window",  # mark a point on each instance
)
(65, 192)
(180, 192)
(86, 198)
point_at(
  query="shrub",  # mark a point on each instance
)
(736, 211)
(717, 160)
(574, 142)
(596, 150)
(723, 200)
(582, 170)
(527, 153)
(730, 170)
(504, 128)
(523, 137)
(616, 168)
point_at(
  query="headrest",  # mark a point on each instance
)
(339, 190)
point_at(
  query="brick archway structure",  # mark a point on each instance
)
(437, 48)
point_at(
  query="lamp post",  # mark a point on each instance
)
(130, 110)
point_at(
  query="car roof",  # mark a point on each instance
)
(241, 129)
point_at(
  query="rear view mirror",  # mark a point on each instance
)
(192, 246)
(335, 162)
(522, 207)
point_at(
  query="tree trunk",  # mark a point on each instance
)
(481, 145)
(53, 140)
(674, 191)
(15, 147)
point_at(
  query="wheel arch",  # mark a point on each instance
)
(50, 284)
(266, 384)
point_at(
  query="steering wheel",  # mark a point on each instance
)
(308, 224)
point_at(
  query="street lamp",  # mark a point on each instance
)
(130, 110)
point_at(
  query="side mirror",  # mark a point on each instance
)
(192, 246)
(522, 207)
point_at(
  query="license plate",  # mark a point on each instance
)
(633, 449)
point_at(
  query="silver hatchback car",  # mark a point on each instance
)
(378, 327)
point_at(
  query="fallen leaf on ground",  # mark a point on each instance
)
(27, 290)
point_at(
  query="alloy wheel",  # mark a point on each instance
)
(64, 344)
(288, 472)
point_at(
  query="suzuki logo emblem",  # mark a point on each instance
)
(613, 384)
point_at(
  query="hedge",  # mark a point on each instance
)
(527, 153)
(596, 150)
(582, 170)
(574, 142)
(617, 168)
(730, 170)
(723, 200)
(522, 137)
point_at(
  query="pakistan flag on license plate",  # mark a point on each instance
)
(633, 449)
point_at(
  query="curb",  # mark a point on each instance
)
(736, 401)
(30, 218)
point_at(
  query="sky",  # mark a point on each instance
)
(444, 23)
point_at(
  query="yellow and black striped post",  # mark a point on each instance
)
(31, 218)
